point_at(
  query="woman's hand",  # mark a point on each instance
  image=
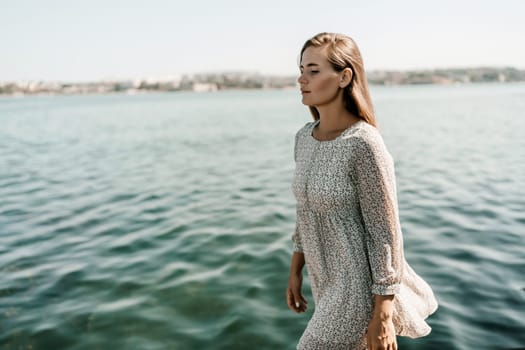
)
(294, 297)
(381, 334)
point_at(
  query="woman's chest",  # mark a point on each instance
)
(322, 176)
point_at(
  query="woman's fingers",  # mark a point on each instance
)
(371, 345)
(368, 342)
(296, 301)
(300, 302)
(289, 299)
(303, 299)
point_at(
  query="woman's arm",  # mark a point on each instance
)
(374, 175)
(294, 296)
(297, 264)
(383, 308)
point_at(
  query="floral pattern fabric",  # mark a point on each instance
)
(348, 229)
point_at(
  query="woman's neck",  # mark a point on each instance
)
(335, 119)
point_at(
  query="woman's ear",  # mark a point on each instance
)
(346, 77)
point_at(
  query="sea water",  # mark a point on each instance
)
(164, 221)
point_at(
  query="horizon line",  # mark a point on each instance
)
(172, 76)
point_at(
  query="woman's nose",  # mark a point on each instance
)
(300, 79)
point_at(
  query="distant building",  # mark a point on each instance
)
(204, 87)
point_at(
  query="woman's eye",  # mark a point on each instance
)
(314, 71)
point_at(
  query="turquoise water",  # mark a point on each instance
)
(163, 221)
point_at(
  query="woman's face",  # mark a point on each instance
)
(319, 81)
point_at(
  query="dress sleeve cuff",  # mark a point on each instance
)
(297, 248)
(381, 289)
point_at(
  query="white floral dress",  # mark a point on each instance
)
(349, 232)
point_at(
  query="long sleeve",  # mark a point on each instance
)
(296, 237)
(376, 186)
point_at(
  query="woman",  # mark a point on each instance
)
(348, 231)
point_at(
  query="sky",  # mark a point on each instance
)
(56, 40)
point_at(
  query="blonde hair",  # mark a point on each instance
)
(342, 52)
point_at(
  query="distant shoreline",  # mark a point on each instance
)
(153, 92)
(213, 82)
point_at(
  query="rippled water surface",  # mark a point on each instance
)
(164, 221)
